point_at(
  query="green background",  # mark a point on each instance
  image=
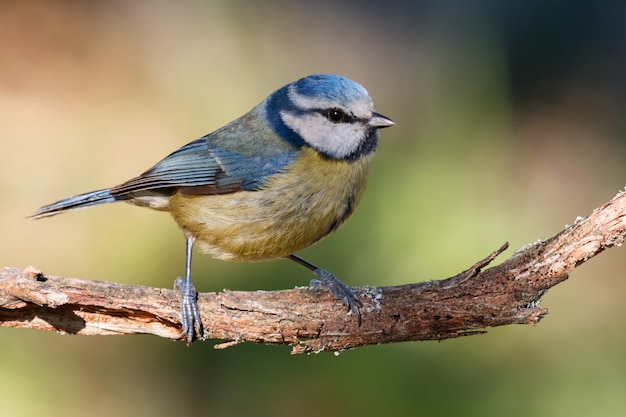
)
(509, 124)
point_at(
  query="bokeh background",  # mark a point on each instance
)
(509, 125)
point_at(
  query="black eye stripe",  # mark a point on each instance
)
(337, 115)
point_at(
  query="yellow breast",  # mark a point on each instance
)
(294, 209)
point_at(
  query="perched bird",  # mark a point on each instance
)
(274, 181)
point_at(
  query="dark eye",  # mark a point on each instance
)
(336, 115)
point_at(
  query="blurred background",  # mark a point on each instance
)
(509, 124)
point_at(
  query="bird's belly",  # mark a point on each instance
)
(292, 211)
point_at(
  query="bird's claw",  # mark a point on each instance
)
(340, 290)
(190, 313)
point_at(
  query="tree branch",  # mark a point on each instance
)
(310, 319)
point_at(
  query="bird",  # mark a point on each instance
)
(269, 184)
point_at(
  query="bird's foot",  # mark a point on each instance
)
(340, 290)
(190, 314)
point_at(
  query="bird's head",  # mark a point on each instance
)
(330, 113)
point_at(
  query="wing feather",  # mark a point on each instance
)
(202, 168)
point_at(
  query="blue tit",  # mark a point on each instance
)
(276, 180)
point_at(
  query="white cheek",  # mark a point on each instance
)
(337, 140)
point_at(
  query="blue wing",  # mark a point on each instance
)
(203, 167)
(239, 156)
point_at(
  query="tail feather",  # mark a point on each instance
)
(92, 198)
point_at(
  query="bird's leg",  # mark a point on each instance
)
(334, 285)
(190, 314)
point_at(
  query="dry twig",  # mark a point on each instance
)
(311, 319)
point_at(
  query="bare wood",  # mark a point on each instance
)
(311, 319)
